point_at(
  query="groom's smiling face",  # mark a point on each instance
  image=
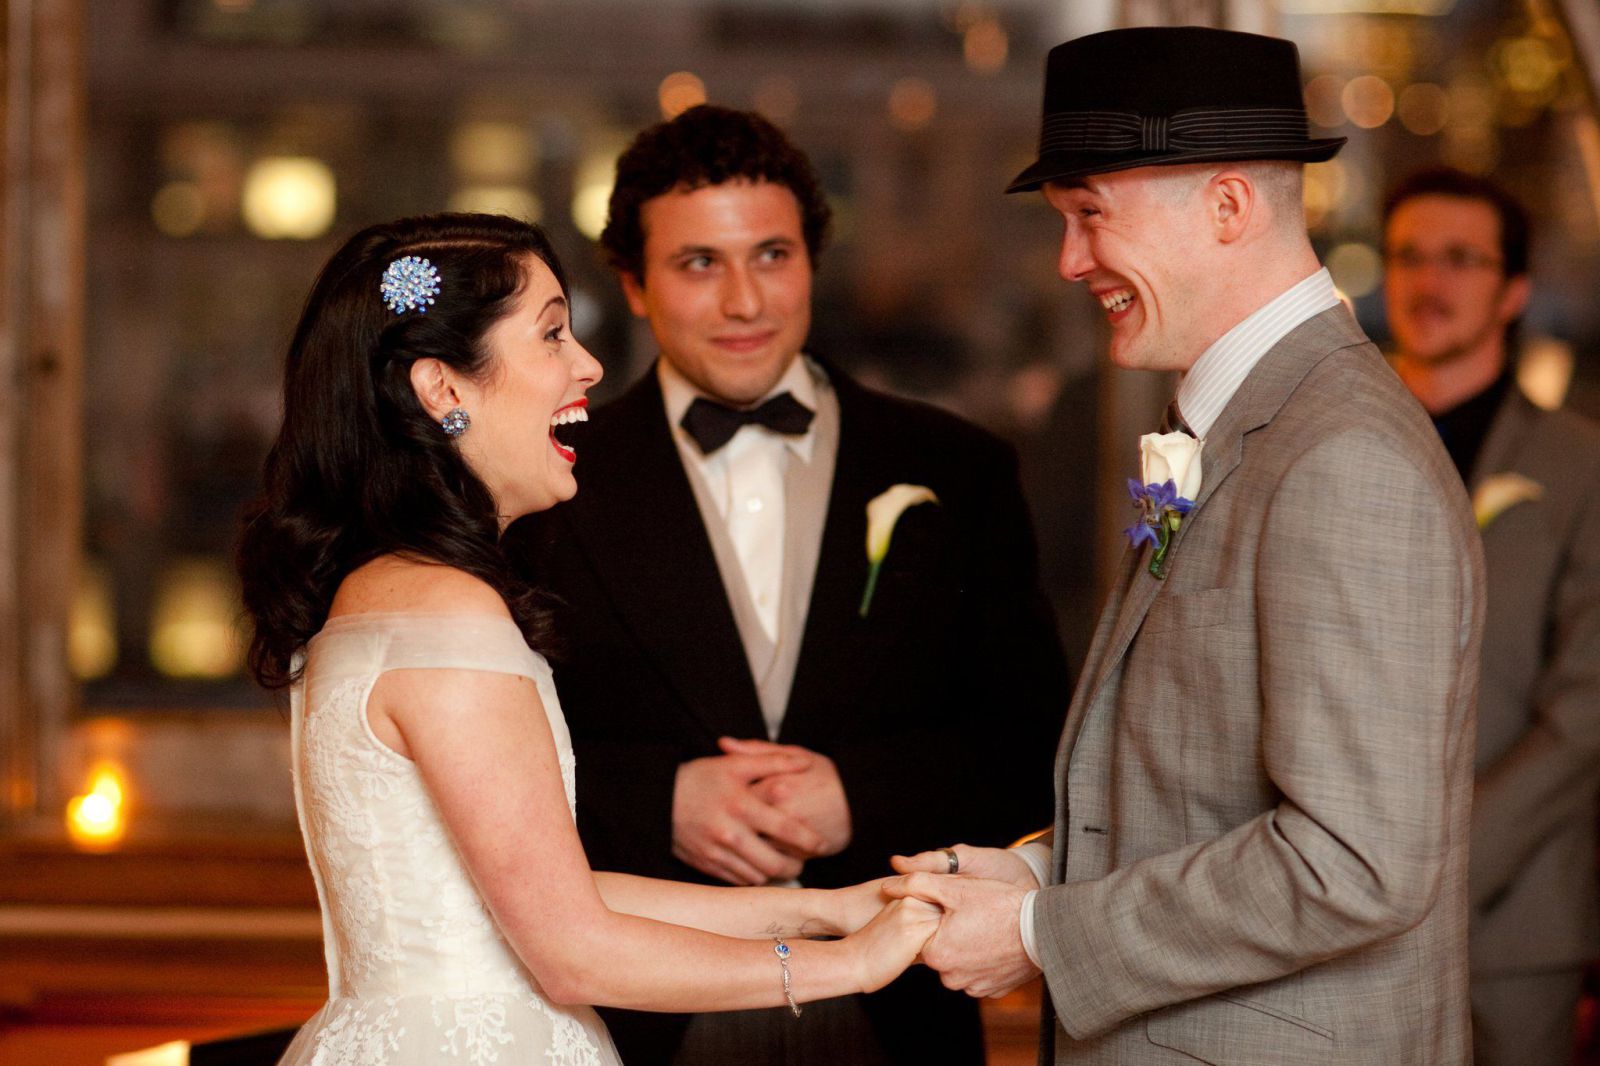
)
(1133, 237)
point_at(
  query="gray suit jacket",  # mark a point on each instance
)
(1535, 902)
(1264, 780)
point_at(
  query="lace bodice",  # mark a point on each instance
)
(418, 972)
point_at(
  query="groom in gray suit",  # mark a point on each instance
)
(1263, 788)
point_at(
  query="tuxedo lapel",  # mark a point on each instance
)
(645, 538)
(838, 644)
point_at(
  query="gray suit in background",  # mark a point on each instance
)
(1535, 901)
(1262, 817)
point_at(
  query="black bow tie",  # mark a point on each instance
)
(712, 424)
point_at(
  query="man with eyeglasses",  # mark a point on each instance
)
(1456, 284)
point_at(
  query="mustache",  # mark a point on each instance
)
(1427, 304)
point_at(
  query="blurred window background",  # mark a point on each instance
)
(175, 172)
(230, 145)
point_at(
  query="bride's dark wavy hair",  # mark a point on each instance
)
(359, 469)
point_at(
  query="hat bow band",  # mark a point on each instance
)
(1196, 130)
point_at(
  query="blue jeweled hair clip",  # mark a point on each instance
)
(409, 284)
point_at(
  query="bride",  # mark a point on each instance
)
(424, 394)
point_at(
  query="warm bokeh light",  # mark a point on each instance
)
(984, 46)
(1368, 101)
(777, 98)
(178, 208)
(173, 1053)
(592, 181)
(493, 153)
(192, 632)
(679, 92)
(1322, 101)
(513, 200)
(1326, 189)
(203, 160)
(1365, 7)
(92, 625)
(1356, 268)
(107, 783)
(1471, 103)
(289, 197)
(1586, 133)
(1474, 149)
(1526, 64)
(912, 104)
(590, 205)
(1424, 108)
(1544, 371)
(95, 820)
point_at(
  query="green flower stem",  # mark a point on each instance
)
(872, 585)
(1170, 521)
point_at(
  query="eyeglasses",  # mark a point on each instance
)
(1453, 260)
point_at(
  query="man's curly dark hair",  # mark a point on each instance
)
(707, 145)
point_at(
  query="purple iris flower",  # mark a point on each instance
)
(1142, 533)
(1154, 500)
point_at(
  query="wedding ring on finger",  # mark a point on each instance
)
(953, 859)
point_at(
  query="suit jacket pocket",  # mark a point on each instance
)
(1253, 1026)
(1190, 610)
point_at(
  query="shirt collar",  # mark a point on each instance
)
(678, 392)
(1213, 379)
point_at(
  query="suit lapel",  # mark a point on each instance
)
(1262, 393)
(1507, 433)
(647, 541)
(838, 645)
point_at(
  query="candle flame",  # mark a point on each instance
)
(95, 820)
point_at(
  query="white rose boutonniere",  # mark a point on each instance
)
(1168, 486)
(1499, 493)
(883, 511)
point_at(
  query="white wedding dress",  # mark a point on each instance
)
(418, 972)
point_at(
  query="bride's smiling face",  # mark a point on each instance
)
(535, 383)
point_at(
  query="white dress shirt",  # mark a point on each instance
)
(746, 481)
(1202, 394)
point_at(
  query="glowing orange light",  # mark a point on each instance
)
(679, 92)
(95, 820)
(912, 103)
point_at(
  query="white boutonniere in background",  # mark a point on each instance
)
(1498, 493)
(883, 511)
(1168, 486)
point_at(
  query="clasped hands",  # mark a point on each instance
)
(977, 948)
(758, 811)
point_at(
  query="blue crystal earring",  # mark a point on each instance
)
(456, 422)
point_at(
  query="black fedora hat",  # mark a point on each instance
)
(1169, 95)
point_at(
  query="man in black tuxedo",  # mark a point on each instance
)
(742, 708)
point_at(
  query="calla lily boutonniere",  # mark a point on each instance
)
(883, 511)
(1498, 493)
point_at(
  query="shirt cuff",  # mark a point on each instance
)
(1025, 927)
(1037, 856)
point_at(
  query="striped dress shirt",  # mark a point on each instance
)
(1210, 383)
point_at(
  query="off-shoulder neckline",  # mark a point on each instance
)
(345, 620)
